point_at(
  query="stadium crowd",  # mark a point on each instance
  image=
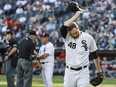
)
(20, 16)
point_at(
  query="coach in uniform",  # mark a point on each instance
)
(11, 54)
(26, 56)
(78, 46)
(46, 58)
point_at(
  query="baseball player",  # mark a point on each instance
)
(78, 46)
(46, 58)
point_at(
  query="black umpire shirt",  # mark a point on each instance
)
(9, 45)
(26, 49)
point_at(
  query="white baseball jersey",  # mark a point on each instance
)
(77, 50)
(47, 48)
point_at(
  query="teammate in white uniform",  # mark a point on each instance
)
(78, 46)
(46, 58)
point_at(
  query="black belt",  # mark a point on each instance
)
(44, 62)
(25, 59)
(76, 69)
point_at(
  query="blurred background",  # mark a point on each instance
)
(99, 20)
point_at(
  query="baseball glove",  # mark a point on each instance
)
(97, 79)
(73, 7)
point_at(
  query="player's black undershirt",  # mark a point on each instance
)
(64, 31)
(94, 55)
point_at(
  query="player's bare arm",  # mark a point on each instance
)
(14, 49)
(97, 64)
(44, 56)
(71, 20)
(96, 61)
(99, 75)
(68, 23)
(39, 64)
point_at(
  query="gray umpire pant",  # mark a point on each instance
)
(9, 72)
(24, 73)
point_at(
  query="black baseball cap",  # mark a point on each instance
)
(45, 35)
(32, 32)
(8, 32)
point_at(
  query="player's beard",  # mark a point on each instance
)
(75, 37)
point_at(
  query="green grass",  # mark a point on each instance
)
(57, 80)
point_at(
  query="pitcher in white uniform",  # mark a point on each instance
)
(46, 58)
(78, 46)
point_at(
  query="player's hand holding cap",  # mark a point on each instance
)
(74, 7)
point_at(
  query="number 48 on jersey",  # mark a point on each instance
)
(72, 45)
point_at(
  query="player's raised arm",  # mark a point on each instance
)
(64, 28)
(71, 20)
(73, 7)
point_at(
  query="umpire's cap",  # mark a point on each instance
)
(8, 32)
(32, 32)
(45, 35)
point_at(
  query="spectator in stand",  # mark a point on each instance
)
(19, 10)
(32, 19)
(1, 11)
(22, 18)
(17, 24)
(106, 66)
(104, 10)
(19, 34)
(7, 8)
(104, 44)
(54, 35)
(111, 42)
(61, 56)
(1, 21)
(21, 2)
(36, 6)
(59, 43)
(51, 25)
(10, 22)
(114, 64)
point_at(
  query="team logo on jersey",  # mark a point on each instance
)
(84, 45)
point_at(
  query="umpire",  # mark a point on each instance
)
(10, 56)
(26, 56)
